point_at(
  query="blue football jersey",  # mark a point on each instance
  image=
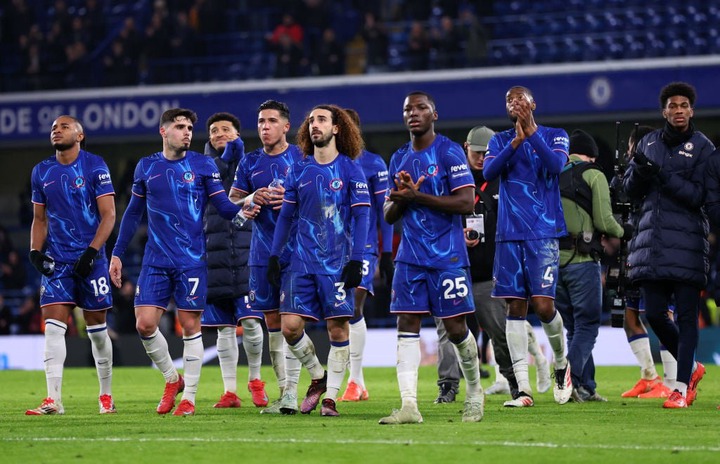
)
(69, 194)
(176, 192)
(529, 205)
(431, 238)
(324, 195)
(257, 169)
(376, 173)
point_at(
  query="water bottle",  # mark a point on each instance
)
(275, 188)
(239, 220)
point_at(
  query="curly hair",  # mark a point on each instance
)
(674, 89)
(348, 139)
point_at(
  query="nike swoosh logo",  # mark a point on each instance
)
(256, 173)
(153, 177)
(650, 143)
(545, 285)
(305, 184)
(48, 183)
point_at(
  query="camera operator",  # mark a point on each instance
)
(669, 255)
(588, 214)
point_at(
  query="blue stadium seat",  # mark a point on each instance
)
(590, 49)
(634, 46)
(653, 45)
(547, 50)
(613, 22)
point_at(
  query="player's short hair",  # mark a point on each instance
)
(170, 115)
(223, 117)
(80, 128)
(279, 106)
(524, 89)
(674, 89)
(423, 94)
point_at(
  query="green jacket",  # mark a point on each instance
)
(577, 220)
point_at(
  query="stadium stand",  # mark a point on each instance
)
(75, 43)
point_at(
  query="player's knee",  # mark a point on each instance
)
(145, 328)
(409, 323)
(291, 333)
(272, 319)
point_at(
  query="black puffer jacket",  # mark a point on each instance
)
(228, 249)
(671, 238)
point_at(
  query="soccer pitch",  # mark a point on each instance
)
(621, 430)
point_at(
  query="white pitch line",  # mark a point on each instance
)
(511, 444)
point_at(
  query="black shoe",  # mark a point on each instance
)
(447, 393)
(484, 373)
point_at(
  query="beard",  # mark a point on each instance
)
(323, 141)
(63, 146)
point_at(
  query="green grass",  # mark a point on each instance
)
(617, 431)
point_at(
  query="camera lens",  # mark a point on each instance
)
(473, 235)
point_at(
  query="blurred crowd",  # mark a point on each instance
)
(93, 43)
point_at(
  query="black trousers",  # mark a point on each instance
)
(679, 336)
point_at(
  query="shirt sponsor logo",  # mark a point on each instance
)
(458, 167)
(361, 185)
(685, 154)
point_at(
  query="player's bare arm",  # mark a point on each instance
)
(106, 208)
(116, 271)
(39, 228)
